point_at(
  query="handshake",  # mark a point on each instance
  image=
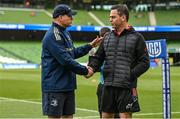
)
(96, 42)
(90, 72)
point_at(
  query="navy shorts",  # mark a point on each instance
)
(58, 104)
(119, 100)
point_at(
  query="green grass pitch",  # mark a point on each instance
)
(20, 94)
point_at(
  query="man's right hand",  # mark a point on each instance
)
(90, 72)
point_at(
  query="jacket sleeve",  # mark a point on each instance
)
(142, 56)
(56, 48)
(97, 60)
(81, 51)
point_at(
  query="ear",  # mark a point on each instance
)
(123, 18)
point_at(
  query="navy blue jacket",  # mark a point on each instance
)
(58, 64)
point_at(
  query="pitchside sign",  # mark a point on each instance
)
(157, 49)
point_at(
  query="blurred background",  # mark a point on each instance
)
(23, 24)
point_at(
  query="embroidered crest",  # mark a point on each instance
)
(54, 102)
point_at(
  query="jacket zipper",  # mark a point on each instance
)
(115, 56)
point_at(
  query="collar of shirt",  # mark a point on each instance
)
(58, 26)
(129, 28)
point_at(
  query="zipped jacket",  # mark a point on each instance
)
(58, 60)
(125, 58)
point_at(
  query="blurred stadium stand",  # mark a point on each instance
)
(93, 4)
(23, 3)
(10, 60)
(7, 56)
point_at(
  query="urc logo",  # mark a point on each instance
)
(154, 48)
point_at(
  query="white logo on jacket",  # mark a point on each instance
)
(56, 34)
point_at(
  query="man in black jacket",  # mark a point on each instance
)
(125, 58)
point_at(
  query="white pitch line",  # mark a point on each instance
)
(87, 110)
(18, 100)
(81, 109)
(47, 13)
(152, 18)
(25, 101)
(87, 117)
(96, 19)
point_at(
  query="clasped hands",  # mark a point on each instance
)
(96, 42)
(90, 72)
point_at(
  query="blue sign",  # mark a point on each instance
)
(87, 28)
(158, 28)
(20, 66)
(156, 48)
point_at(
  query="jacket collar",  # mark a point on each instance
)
(58, 26)
(129, 29)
